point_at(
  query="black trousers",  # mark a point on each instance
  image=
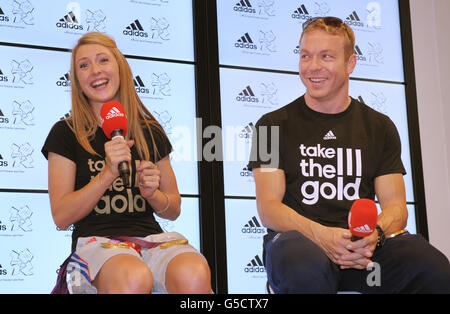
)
(405, 264)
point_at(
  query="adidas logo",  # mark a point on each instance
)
(3, 17)
(3, 272)
(3, 78)
(359, 54)
(140, 86)
(245, 172)
(253, 226)
(363, 229)
(330, 136)
(301, 13)
(247, 131)
(135, 29)
(3, 163)
(353, 20)
(113, 113)
(69, 21)
(64, 80)
(247, 95)
(255, 266)
(244, 6)
(245, 42)
(3, 119)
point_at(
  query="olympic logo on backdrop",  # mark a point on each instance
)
(19, 265)
(20, 158)
(21, 16)
(18, 222)
(19, 76)
(371, 55)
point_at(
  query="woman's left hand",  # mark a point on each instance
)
(148, 178)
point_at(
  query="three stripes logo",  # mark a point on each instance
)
(245, 42)
(69, 21)
(354, 20)
(140, 86)
(301, 13)
(253, 226)
(363, 229)
(360, 56)
(329, 136)
(255, 266)
(244, 6)
(64, 80)
(3, 16)
(114, 112)
(247, 132)
(135, 29)
(247, 95)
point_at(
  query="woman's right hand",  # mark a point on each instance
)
(116, 151)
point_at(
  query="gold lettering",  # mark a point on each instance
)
(139, 203)
(114, 203)
(107, 208)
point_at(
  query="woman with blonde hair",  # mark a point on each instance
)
(86, 190)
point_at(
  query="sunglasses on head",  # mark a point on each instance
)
(328, 20)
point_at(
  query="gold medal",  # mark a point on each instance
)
(109, 245)
(168, 244)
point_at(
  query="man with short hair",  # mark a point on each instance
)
(332, 151)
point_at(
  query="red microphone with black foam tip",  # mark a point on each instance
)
(115, 124)
(362, 219)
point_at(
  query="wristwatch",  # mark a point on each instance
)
(381, 237)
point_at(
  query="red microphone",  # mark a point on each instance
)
(362, 219)
(115, 124)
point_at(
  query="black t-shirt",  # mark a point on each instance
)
(121, 211)
(329, 160)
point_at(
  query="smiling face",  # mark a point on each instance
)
(324, 68)
(97, 72)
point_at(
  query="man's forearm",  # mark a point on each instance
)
(279, 217)
(393, 218)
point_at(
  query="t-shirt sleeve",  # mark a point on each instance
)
(162, 143)
(391, 161)
(60, 140)
(265, 145)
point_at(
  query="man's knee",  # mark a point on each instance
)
(297, 265)
(423, 268)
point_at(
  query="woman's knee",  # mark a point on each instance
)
(188, 273)
(125, 274)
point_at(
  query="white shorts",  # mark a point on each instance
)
(90, 256)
